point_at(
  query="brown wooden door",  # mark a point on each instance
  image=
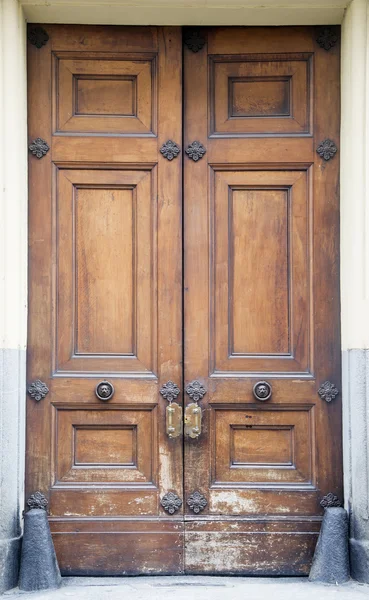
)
(106, 294)
(260, 296)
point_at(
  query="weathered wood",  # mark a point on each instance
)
(105, 293)
(261, 294)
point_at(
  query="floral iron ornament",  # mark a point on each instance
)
(328, 391)
(171, 502)
(39, 147)
(195, 150)
(327, 149)
(38, 390)
(196, 390)
(170, 150)
(169, 391)
(38, 37)
(197, 502)
(37, 500)
(327, 38)
(194, 40)
(330, 500)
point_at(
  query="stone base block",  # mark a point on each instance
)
(9, 563)
(359, 560)
(39, 568)
(331, 558)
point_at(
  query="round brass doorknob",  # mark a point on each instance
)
(262, 391)
(104, 390)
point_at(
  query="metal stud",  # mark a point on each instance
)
(194, 40)
(38, 390)
(39, 147)
(37, 500)
(327, 38)
(170, 150)
(328, 391)
(37, 36)
(327, 149)
(197, 502)
(330, 500)
(195, 150)
(171, 502)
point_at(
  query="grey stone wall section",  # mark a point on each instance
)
(12, 404)
(356, 457)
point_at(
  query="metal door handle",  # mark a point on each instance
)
(170, 391)
(193, 413)
(104, 390)
(262, 391)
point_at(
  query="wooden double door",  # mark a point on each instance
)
(183, 246)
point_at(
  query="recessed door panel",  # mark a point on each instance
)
(106, 248)
(261, 317)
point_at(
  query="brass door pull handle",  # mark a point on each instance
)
(192, 420)
(193, 413)
(170, 391)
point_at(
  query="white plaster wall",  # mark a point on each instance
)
(186, 12)
(13, 289)
(355, 177)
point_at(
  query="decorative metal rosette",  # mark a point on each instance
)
(262, 390)
(195, 390)
(170, 150)
(330, 500)
(39, 147)
(327, 149)
(38, 390)
(197, 502)
(328, 391)
(104, 390)
(38, 37)
(170, 391)
(195, 150)
(37, 500)
(194, 40)
(171, 502)
(327, 38)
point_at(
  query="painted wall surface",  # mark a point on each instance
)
(13, 289)
(187, 12)
(355, 278)
(354, 223)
